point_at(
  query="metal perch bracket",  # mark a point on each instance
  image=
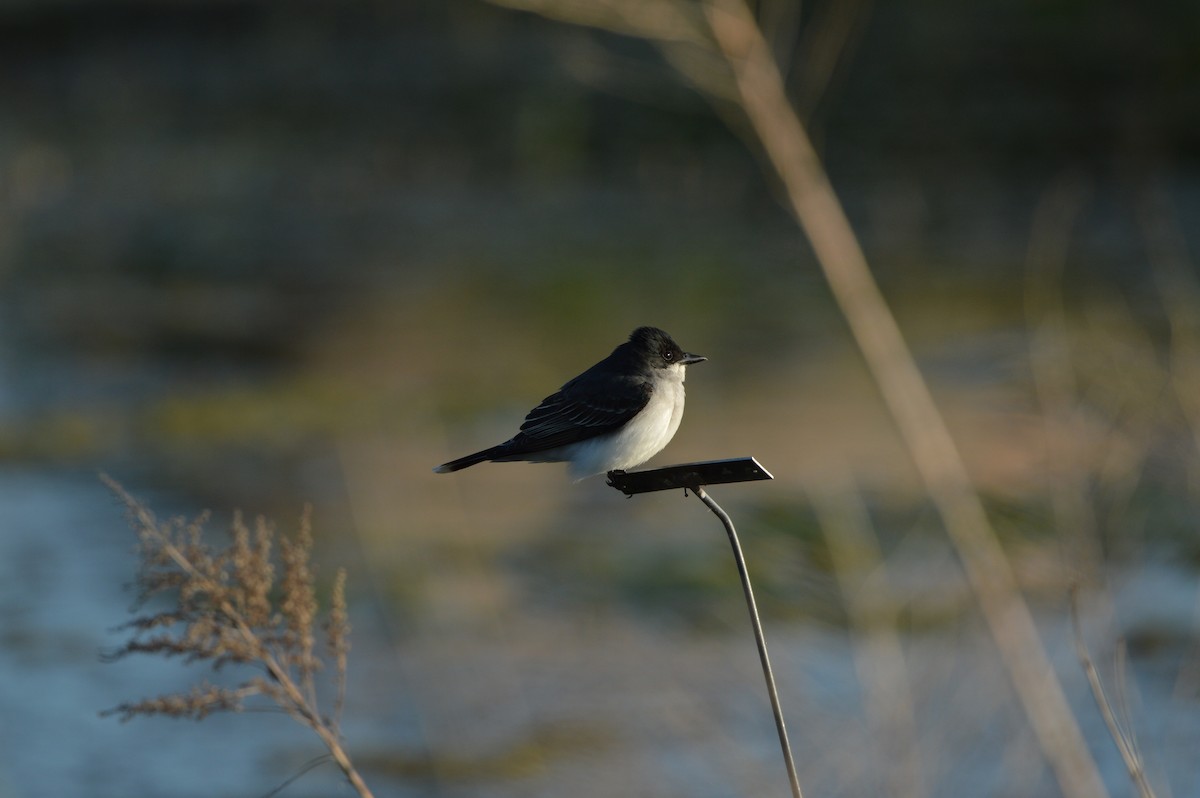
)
(690, 476)
(693, 477)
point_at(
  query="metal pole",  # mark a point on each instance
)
(758, 637)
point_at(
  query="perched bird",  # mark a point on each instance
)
(614, 416)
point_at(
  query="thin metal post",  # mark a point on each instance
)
(758, 636)
(693, 476)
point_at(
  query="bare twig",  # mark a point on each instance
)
(827, 43)
(1126, 742)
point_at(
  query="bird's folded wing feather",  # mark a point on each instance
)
(576, 414)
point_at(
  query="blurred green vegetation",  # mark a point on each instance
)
(519, 758)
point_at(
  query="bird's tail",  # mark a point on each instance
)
(470, 460)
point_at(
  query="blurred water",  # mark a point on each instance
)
(537, 703)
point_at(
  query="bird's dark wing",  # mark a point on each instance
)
(583, 409)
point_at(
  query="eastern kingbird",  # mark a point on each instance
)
(614, 416)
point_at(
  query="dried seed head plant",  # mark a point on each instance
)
(229, 608)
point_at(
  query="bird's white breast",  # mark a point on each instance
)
(644, 436)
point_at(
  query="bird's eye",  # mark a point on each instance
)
(669, 355)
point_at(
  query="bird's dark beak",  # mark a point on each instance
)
(689, 359)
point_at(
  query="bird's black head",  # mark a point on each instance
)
(660, 349)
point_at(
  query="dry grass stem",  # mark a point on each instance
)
(1126, 741)
(931, 447)
(337, 632)
(225, 613)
